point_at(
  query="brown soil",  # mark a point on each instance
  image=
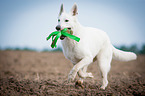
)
(45, 73)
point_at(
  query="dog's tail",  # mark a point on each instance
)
(122, 55)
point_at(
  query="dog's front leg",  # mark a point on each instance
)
(78, 66)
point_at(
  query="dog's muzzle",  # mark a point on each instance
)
(62, 37)
(58, 28)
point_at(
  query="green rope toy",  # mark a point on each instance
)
(57, 35)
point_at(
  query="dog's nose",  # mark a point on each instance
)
(58, 27)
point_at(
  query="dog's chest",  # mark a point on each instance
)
(71, 50)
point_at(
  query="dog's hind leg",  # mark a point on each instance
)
(85, 61)
(104, 61)
(82, 73)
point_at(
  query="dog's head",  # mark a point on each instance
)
(67, 20)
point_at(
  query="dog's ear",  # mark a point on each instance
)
(61, 9)
(74, 10)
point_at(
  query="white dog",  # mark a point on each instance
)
(94, 45)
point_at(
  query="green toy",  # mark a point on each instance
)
(57, 35)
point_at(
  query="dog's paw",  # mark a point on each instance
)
(90, 75)
(70, 78)
(102, 87)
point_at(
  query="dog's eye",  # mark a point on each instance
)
(66, 20)
(58, 20)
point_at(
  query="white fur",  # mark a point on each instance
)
(94, 43)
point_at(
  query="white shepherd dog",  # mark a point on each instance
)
(94, 45)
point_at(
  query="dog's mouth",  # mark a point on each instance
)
(62, 36)
(69, 28)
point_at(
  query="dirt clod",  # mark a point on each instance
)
(79, 83)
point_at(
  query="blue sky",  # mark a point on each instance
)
(27, 23)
